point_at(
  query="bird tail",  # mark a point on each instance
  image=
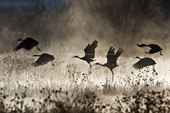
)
(142, 45)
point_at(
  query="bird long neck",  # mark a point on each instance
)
(138, 57)
(142, 45)
(82, 58)
(100, 64)
(145, 45)
(79, 57)
(36, 55)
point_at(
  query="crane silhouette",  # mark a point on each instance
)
(43, 59)
(27, 44)
(144, 62)
(154, 48)
(111, 59)
(89, 53)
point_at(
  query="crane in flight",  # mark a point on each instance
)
(89, 53)
(43, 59)
(112, 59)
(154, 48)
(27, 44)
(144, 62)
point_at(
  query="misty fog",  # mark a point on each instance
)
(65, 31)
(113, 23)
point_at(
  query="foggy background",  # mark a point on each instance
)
(66, 29)
(118, 23)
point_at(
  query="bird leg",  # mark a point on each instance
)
(90, 70)
(154, 68)
(112, 75)
(38, 48)
(52, 63)
(161, 53)
(154, 71)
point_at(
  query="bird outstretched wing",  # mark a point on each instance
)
(21, 45)
(111, 57)
(43, 59)
(28, 44)
(90, 49)
(144, 63)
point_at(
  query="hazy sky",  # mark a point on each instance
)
(5, 3)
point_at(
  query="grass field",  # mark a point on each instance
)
(68, 88)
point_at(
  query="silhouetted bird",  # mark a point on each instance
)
(154, 48)
(89, 52)
(144, 62)
(43, 59)
(27, 44)
(112, 59)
